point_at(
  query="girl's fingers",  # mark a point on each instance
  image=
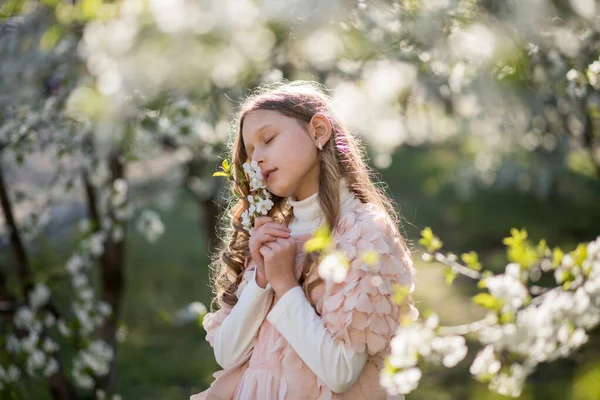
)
(274, 232)
(264, 250)
(260, 221)
(271, 224)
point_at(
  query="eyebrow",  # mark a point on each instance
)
(258, 131)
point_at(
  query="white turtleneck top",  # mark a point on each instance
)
(336, 365)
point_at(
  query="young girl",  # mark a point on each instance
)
(282, 332)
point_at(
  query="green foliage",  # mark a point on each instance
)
(520, 250)
(320, 241)
(225, 169)
(471, 260)
(431, 242)
(488, 301)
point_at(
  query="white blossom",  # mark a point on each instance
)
(191, 312)
(150, 225)
(401, 382)
(485, 363)
(50, 346)
(119, 192)
(50, 320)
(453, 349)
(510, 384)
(13, 345)
(39, 296)
(51, 368)
(36, 360)
(63, 328)
(259, 201)
(334, 267)
(593, 74)
(13, 373)
(95, 243)
(24, 317)
(121, 333)
(508, 288)
(79, 281)
(75, 264)
(104, 308)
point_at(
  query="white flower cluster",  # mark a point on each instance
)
(88, 312)
(334, 267)
(577, 87)
(91, 362)
(190, 313)
(593, 74)
(543, 329)
(101, 395)
(9, 375)
(112, 205)
(509, 288)
(412, 342)
(150, 225)
(259, 199)
(38, 351)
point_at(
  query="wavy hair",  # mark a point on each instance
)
(343, 155)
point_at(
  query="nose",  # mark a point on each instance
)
(258, 156)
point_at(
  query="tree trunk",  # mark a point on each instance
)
(58, 384)
(112, 277)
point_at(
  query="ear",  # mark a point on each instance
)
(320, 129)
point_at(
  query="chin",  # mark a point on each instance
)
(278, 191)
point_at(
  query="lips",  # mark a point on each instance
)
(267, 174)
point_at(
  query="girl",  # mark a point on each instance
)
(282, 332)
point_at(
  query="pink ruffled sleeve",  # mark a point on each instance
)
(360, 311)
(213, 320)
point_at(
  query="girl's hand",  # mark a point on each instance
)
(279, 258)
(265, 231)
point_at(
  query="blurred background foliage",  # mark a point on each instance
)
(479, 116)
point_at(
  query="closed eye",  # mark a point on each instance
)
(270, 139)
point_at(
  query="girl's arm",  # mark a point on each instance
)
(336, 364)
(232, 334)
(359, 315)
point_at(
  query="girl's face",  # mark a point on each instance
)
(281, 144)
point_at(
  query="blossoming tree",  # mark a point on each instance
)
(100, 85)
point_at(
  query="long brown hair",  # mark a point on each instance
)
(342, 156)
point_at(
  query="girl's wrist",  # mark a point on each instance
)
(282, 287)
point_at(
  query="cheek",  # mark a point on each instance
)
(295, 158)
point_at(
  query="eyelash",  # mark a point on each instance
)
(271, 139)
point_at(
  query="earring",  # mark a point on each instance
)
(320, 146)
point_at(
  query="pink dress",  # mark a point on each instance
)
(358, 311)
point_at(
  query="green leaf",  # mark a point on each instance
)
(506, 318)
(400, 293)
(315, 244)
(450, 275)
(226, 166)
(542, 248)
(220, 173)
(471, 260)
(430, 241)
(488, 301)
(89, 9)
(51, 37)
(579, 254)
(320, 241)
(557, 256)
(370, 258)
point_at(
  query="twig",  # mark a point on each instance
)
(464, 329)
(457, 267)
